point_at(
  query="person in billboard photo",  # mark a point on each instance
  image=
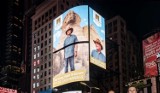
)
(70, 51)
(132, 89)
(97, 54)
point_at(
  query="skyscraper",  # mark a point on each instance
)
(41, 64)
(11, 68)
(127, 56)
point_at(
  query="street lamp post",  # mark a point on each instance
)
(158, 69)
(90, 88)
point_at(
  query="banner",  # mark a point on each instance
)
(151, 49)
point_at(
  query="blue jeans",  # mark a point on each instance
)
(69, 61)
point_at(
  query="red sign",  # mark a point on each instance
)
(7, 90)
(151, 47)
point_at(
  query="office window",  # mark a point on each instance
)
(45, 35)
(50, 33)
(37, 69)
(49, 48)
(34, 56)
(45, 57)
(34, 85)
(34, 77)
(49, 80)
(49, 56)
(45, 28)
(37, 84)
(45, 42)
(49, 71)
(41, 67)
(38, 47)
(41, 45)
(37, 76)
(41, 52)
(45, 50)
(45, 66)
(35, 49)
(34, 41)
(37, 54)
(49, 40)
(38, 40)
(34, 71)
(34, 63)
(38, 62)
(49, 25)
(49, 64)
(45, 81)
(41, 30)
(45, 73)
(41, 38)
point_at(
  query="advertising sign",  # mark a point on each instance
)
(71, 46)
(7, 90)
(97, 39)
(151, 49)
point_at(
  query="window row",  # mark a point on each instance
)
(45, 17)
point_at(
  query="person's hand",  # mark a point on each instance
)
(75, 53)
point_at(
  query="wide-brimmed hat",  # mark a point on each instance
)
(98, 42)
(69, 29)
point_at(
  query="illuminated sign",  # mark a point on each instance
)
(151, 49)
(71, 46)
(7, 90)
(97, 39)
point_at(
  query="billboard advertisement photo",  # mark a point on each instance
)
(97, 39)
(151, 49)
(71, 46)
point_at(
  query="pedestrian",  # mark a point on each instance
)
(132, 89)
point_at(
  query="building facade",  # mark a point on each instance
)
(41, 57)
(125, 59)
(11, 70)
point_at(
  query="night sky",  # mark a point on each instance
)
(141, 17)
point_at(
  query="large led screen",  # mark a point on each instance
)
(97, 39)
(71, 46)
(151, 49)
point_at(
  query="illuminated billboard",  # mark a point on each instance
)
(151, 49)
(97, 39)
(73, 92)
(71, 46)
(7, 90)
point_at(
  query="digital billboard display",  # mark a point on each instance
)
(7, 90)
(151, 49)
(97, 39)
(71, 46)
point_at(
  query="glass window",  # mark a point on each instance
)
(34, 71)
(34, 56)
(38, 62)
(49, 33)
(37, 69)
(35, 49)
(37, 84)
(38, 76)
(37, 54)
(34, 63)
(38, 47)
(34, 85)
(34, 77)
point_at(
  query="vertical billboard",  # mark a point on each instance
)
(151, 49)
(97, 39)
(71, 46)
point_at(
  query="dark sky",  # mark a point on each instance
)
(141, 16)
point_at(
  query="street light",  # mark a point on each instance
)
(90, 88)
